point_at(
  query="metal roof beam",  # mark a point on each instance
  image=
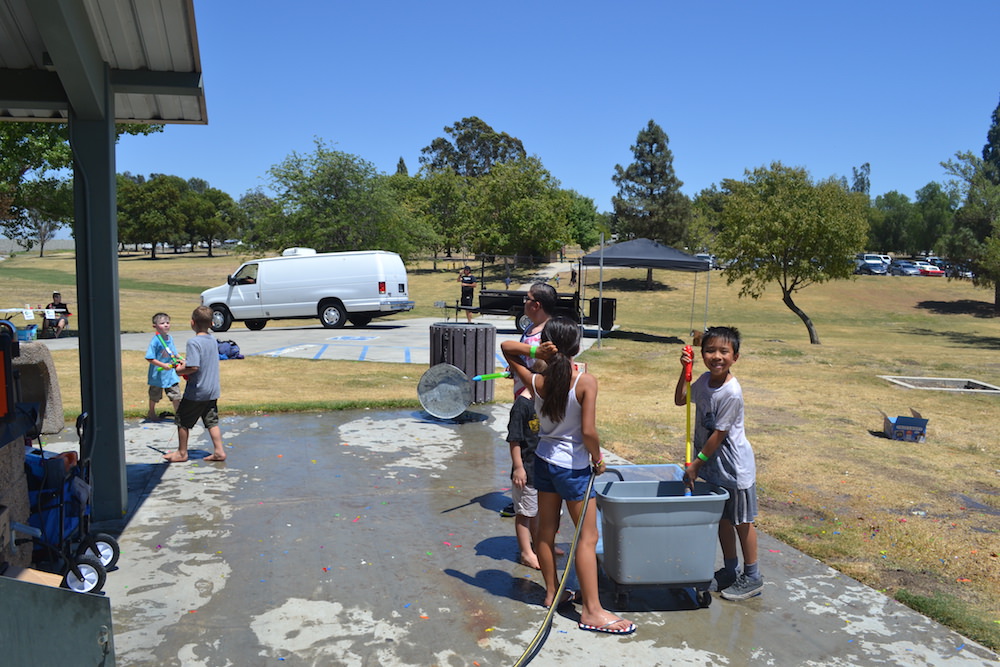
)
(156, 83)
(70, 42)
(31, 89)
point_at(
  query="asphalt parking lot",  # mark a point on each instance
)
(403, 341)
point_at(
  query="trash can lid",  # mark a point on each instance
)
(445, 391)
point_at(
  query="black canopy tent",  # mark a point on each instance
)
(646, 254)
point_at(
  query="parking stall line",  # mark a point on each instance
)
(319, 354)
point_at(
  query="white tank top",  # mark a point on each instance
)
(561, 443)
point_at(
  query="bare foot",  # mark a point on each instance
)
(530, 561)
(176, 457)
(215, 457)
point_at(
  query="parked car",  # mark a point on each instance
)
(903, 267)
(957, 271)
(870, 267)
(886, 259)
(927, 269)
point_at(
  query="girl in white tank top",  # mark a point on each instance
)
(568, 453)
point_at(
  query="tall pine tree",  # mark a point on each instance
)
(991, 151)
(649, 203)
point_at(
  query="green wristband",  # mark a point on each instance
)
(531, 353)
(701, 455)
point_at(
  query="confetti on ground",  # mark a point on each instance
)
(356, 519)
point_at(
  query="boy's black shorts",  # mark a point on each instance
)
(190, 412)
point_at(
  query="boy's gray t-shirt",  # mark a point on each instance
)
(203, 352)
(721, 408)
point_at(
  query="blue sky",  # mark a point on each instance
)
(735, 85)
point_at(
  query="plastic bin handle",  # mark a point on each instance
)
(616, 472)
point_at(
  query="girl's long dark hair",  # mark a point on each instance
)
(565, 335)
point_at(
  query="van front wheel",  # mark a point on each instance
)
(221, 318)
(332, 315)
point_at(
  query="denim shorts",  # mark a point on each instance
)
(570, 484)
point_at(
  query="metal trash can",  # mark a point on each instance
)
(470, 347)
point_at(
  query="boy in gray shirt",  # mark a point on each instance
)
(200, 368)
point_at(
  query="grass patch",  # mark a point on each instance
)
(955, 613)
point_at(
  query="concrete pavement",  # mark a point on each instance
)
(373, 538)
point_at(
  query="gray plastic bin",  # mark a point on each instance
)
(654, 534)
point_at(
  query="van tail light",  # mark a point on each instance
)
(381, 287)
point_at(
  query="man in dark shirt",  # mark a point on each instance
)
(62, 314)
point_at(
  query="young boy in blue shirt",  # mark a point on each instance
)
(725, 457)
(163, 358)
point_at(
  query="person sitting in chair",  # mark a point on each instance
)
(62, 314)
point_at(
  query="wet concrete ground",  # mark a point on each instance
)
(373, 538)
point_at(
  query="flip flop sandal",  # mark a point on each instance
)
(606, 628)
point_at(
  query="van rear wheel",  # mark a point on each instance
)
(359, 320)
(255, 325)
(332, 315)
(221, 318)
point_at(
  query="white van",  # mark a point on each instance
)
(335, 287)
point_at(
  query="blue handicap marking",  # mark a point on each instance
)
(353, 338)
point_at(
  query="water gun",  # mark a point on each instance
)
(491, 376)
(688, 369)
(174, 359)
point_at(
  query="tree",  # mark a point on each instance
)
(401, 169)
(706, 220)
(28, 152)
(331, 200)
(936, 211)
(862, 181)
(649, 203)
(991, 151)
(149, 211)
(472, 149)
(46, 206)
(516, 209)
(439, 199)
(897, 223)
(977, 222)
(780, 227)
(585, 223)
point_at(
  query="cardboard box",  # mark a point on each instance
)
(909, 429)
(33, 576)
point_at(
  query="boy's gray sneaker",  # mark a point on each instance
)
(744, 588)
(724, 579)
